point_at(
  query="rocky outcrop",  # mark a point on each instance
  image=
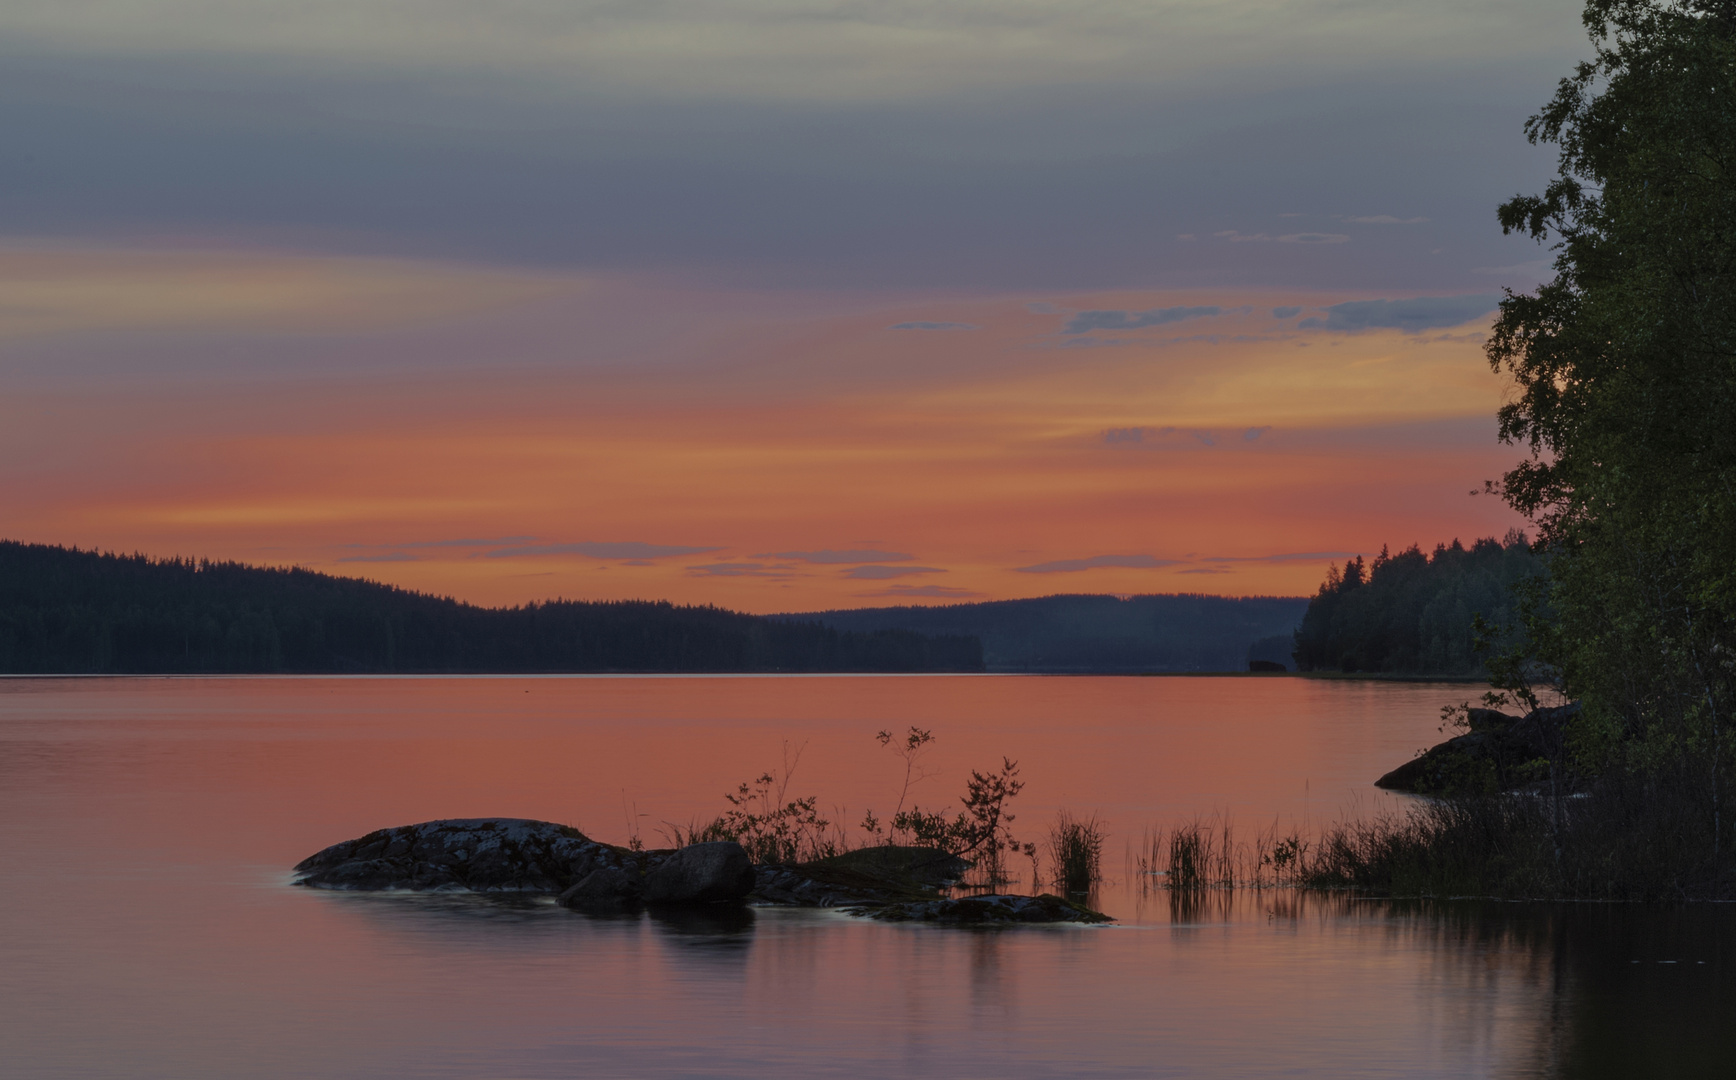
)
(984, 911)
(1499, 753)
(519, 855)
(459, 855)
(713, 873)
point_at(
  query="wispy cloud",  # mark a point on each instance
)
(1235, 237)
(738, 569)
(933, 326)
(1286, 312)
(1096, 562)
(1253, 434)
(1163, 436)
(464, 543)
(396, 556)
(1094, 343)
(1118, 435)
(1086, 321)
(1411, 316)
(882, 573)
(1386, 219)
(625, 549)
(832, 558)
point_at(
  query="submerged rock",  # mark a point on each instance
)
(460, 854)
(1500, 753)
(712, 873)
(608, 891)
(984, 911)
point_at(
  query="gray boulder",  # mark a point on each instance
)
(712, 873)
(607, 891)
(460, 854)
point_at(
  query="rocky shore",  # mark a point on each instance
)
(1500, 753)
(519, 855)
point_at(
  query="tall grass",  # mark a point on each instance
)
(1076, 850)
(1631, 837)
(1206, 854)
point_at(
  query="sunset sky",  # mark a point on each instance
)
(774, 304)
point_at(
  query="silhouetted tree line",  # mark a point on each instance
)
(1414, 613)
(65, 611)
(1086, 633)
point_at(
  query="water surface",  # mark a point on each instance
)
(147, 827)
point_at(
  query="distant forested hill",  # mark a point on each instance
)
(64, 611)
(1411, 613)
(1179, 632)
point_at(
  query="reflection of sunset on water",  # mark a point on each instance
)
(157, 821)
(596, 751)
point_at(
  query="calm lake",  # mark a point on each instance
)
(147, 827)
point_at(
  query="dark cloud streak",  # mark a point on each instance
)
(1411, 316)
(1086, 321)
(1097, 562)
(626, 549)
(829, 557)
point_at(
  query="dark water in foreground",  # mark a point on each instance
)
(146, 827)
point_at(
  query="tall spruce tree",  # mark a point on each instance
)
(1624, 371)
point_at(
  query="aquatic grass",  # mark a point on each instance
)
(1076, 850)
(1628, 837)
(1206, 854)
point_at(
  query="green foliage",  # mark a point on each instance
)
(980, 829)
(767, 822)
(1624, 375)
(773, 829)
(1414, 613)
(910, 750)
(65, 611)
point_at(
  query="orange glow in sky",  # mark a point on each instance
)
(506, 436)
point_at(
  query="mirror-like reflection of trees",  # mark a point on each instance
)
(1605, 990)
(1573, 991)
(1544, 991)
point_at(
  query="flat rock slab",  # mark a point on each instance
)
(460, 854)
(985, 911)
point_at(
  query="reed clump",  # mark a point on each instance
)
(1076, 851)
(1629, 837)
(1207, 854)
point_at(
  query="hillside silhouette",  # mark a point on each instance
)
(66, 611)
(1174, 632)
